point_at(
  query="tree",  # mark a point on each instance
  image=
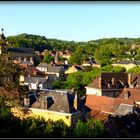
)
(135, 69)
(90, 129)
(47, 58)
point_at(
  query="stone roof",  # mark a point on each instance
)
(21, 50)
(107, 80)
(62, 102)
(43, 65)
(54, 69)
(124, 109)
(134, 62)
(41, 80)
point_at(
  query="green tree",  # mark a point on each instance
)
(47, 58)
(90, 129)
(135, 69)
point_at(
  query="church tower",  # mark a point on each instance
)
(2, 41)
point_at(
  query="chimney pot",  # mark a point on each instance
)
(100, 82)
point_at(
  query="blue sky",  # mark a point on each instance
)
(78, 21)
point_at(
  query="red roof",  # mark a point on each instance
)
(105, 104)
(32, 70)
(133, 94)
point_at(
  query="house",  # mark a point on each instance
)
(66, 54)
(102, 107)
(19, 54)
(128, 64)
(112, 84)
(55, 71)
(36, 83)
(22, 54)
(73, 69)
(108, 84)
(25, 64)
(55, 105)
(35, 79)
(43, 67)
(132, 94)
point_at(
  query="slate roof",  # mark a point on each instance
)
(106, 80)
(54, 69)
(21, 50)
(41, 80)
(124, 109)
(135, 62)
(43, 65)
(63, 102)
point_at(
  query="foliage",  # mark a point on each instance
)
(110, 68)
(9, 70)
(104, 51)
(81, 53)
(135, 69)
(90, 129)
(48, 58)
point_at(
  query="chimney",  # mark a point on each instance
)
(113, 82)
(126, 94)
(22, 78)
(26, 101)
(100, 82)
(129, 79)
(76, 101)
(35, 72)
(43, 104)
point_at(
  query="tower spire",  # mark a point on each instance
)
(2, 29)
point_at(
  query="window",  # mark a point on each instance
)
(67, 117)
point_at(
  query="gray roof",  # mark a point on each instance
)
(43, 65)
(41, 80)
(62, 102)
(135, 62)
(124, 109)
(54, 69)
(21, 50)
(17, 54)
(25, 62)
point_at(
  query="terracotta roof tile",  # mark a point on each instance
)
(106, 104)
(134, 94)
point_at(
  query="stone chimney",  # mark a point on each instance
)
(129, 79)
(113, 82)
(76, 101)
(31, 59)
(35, 72)
(22, 78)
(37, 84)
(100, 82)
(26, 102)
(44, 104)
(126, 93)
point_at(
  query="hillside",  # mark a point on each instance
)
(103, 50)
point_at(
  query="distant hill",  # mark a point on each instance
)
(39, 43)
(104, 51)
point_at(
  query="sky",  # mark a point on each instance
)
(71, 21)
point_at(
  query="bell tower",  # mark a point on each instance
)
(2, 41)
